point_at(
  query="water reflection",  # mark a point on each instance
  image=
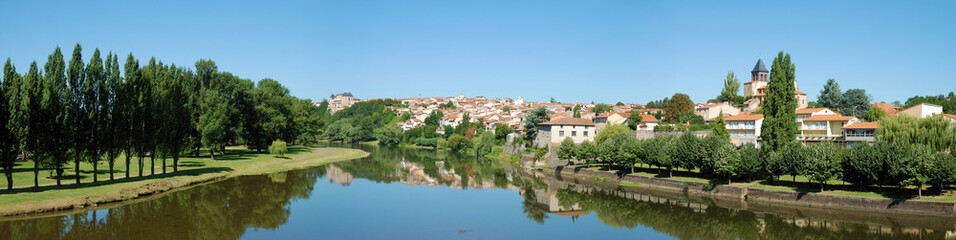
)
(232, 208)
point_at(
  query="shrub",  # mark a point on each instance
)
(278, 148)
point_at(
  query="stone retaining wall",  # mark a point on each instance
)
(814, 200)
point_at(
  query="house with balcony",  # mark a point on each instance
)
(824, 127)
(861, 132)
(744, 128)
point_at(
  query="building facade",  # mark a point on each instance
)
(551, 133)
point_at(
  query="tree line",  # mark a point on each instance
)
(95, 112)
(887, 162)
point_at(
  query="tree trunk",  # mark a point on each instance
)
(919, 191)
(139, 159)
(794, 178)
(152, 163)
(9, 173)
(94, 169)
(36, 172)
(111, 162)
(77, 165)
(175, 161)
(821, 185)
(212, 154)
(59, 174)
(127, 163)
(164, 163)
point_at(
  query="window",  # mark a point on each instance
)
(585, 128)
(585, 133)
(574, 133)
(561, 133)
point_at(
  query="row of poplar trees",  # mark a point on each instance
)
(94, 112)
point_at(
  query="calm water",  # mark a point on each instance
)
(410, 194)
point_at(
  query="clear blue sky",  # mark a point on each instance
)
(581, 51)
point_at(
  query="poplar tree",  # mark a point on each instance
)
(9, 102)
(128, 100)
(109, 116)
(55, 101)
(93, 116)
(779, 127)
(33, 119)
(76, 124)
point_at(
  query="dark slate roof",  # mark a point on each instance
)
(759, 67)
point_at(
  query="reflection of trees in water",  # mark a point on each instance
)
(222, 210)
(450, 169)
(713, 222)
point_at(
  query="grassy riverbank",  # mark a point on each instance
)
(22, 200)
(789, 183)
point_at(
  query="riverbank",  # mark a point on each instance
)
(193, 172)
(762, 196)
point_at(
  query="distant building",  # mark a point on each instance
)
(551, 133)
(648, 122)
(744, 128)
(341, 101)
(922, 110)
(712, 110)
(756, 88)
(861, 132)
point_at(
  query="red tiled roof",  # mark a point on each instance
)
(744, 117)
(863, 125)
(888, 108)
(949, 115)
(828, 117)
(648, 118)
(810, 110)
(569, 121)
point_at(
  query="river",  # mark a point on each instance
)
(403, 193)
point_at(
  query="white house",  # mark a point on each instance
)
(551, 133)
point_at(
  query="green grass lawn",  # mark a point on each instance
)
(787, 183)
(238, 161)
(23, 171)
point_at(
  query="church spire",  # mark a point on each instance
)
(759, 67)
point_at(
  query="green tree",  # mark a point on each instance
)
(779, 127)
(278, 148)
(749, 166)
(586, 151)
(609, 131)
(634, 120)
(532, 119)
(77, 119)
(213, 121)
(12, 124)
(689, 151)
(875, 114)
(621, 149)
(601, 108)
(730, 90)
(130, 102)
(484, 143)
(678, 104)
(56, 139)
(831, 96)
(92, 115)
(660, 151)
(861, 165)
(619, 104)
(823, 162)
(725, 160)
(388, 135)
(34, 116)
(566, 150)
(856, 103)
(434, 118)
(793, 160)
(934, 131)
(720, 127)
(456, 143)
(501, 132)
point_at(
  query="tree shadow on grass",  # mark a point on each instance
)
(189, 172)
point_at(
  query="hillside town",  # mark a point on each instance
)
(581, 121)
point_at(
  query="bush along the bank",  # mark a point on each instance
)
(896, 163)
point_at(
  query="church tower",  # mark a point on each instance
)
(759, 77)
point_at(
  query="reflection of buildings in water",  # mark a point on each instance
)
(337, 175)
